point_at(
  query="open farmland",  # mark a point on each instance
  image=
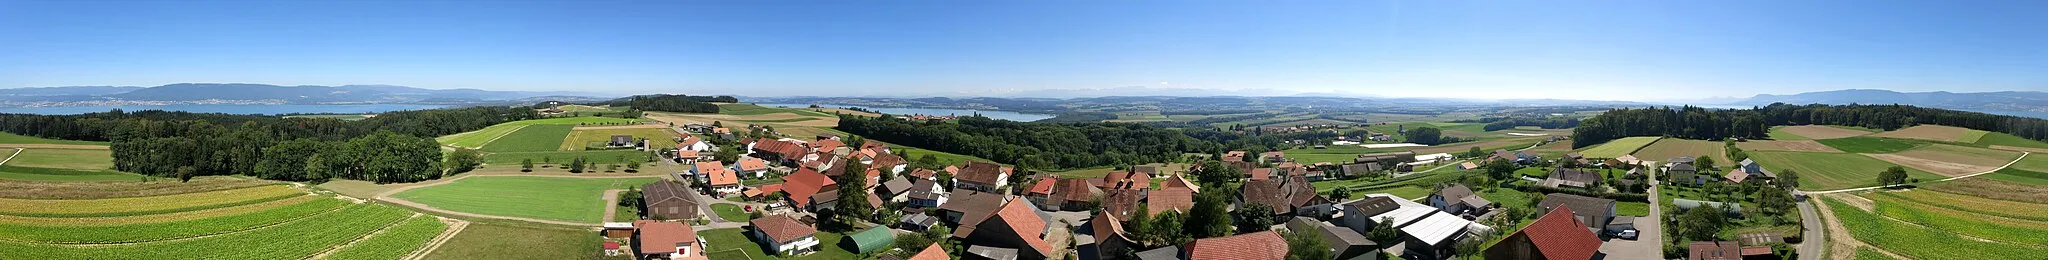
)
(1920, 241)
(1950, 160)
(487, 240)
(10, 138)
(1674, 147)
(581, 139)
(2009, 142)
(552, 198)
(1619, 147)
(14, 189)
(532, 138)
(1866, 144)
(2020, 232)
(476, 139)
(1824, 171)
(302, 226)
(1804, 132)
(563, 157)
(41, 164)
(1994, 189)
(1930, 133)
(1786, 145)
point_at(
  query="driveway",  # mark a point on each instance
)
(1649, 243)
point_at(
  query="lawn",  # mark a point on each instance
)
(582, 139)
(11, 138)
(1867, 144)
(1639, 209)
(1825, 171)
(730, 212)
(563, 157)
(567, 199)
(1674, 147)
(1618, 147)
(487, 240)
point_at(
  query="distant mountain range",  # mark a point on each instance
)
(2022, 103)
(270, 94)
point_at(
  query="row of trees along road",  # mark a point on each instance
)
(391, 147)
(1700, 123)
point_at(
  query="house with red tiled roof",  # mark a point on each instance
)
(1121, 203)
(1714, 250)
(694, 144)
(750, 166)
(1177, 181)
(1170, 199)
(932, 252)
(1016, 225)
(667, 240)
(785, 152)
(719, 178)
(687, 156)
(1285, 195)
(1265, 245)
(785, 235)
(1129, 180)
(804, 184)
(981, 176)
(1075, 195)
(827, 145)
(927, 174)
(1259, 174)
(1040, 192)
(1556, 235)
(1233, 156)
(1110, 239)
(890, 162)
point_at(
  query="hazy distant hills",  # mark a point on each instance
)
(2025, 103)
(187, 92)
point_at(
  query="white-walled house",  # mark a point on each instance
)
(785, 235)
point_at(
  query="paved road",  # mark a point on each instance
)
(1815, 240)
(1649, 243)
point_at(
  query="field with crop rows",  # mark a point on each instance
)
(532, 138)
(1618, 147)
(395, 242)
(1918, 241)
(567, 199)
(145, 205)
(218, 224)
(91, 234)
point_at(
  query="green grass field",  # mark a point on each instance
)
(567, 199)
(1972, 136)
(61, 158)
(730, 212)
(1777, 133)
(489, 240)
(10, 138)
(533, 138)
(582, 139)
(1994, 138)
(1618, 147)
(563, 157)
(1824, 171)
(1868, 144)
(56, 174)
(479, 137)
(913, 154)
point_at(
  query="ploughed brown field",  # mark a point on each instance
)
(1927, 132)
(1786, 145)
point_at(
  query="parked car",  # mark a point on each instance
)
(1627, 234)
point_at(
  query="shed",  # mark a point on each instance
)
(871, 239)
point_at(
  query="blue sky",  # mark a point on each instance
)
(1602, 50)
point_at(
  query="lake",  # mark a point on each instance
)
(1004, 115)
(230, 109)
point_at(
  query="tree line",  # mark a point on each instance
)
(1700, 123)
(391, 147)
(1034, 145)
(1503, 123)
(672, 103)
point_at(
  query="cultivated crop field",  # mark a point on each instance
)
(1951, 160)
(1786, 145)
(1619, 147)
(476, 139)
(1919, 241)
(1674, 147)
(1931, 133)
(1866, 144)
(532, 138)
(656, 137)
(1824, 171)
(10, 138)
(563, 157)
(45, 164)
(195, 226)
(486, 240)
(14, 189)
(552, 198)
(1814, 132)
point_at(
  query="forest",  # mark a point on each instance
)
(391, 147)
(1503, 123)
(1700, 123)
(671, 103)
(1035, 145)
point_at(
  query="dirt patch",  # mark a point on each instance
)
(1822, 132)
(1944, 168)
(1927, 132)
(620, 127)
(57, 146)
(1786, 145)
(2019, 149)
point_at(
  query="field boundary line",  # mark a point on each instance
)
(380, 231)
(2023, 156)
(495, 138)
(455, 226)
(10, 158)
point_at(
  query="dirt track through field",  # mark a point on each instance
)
(57, 146)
